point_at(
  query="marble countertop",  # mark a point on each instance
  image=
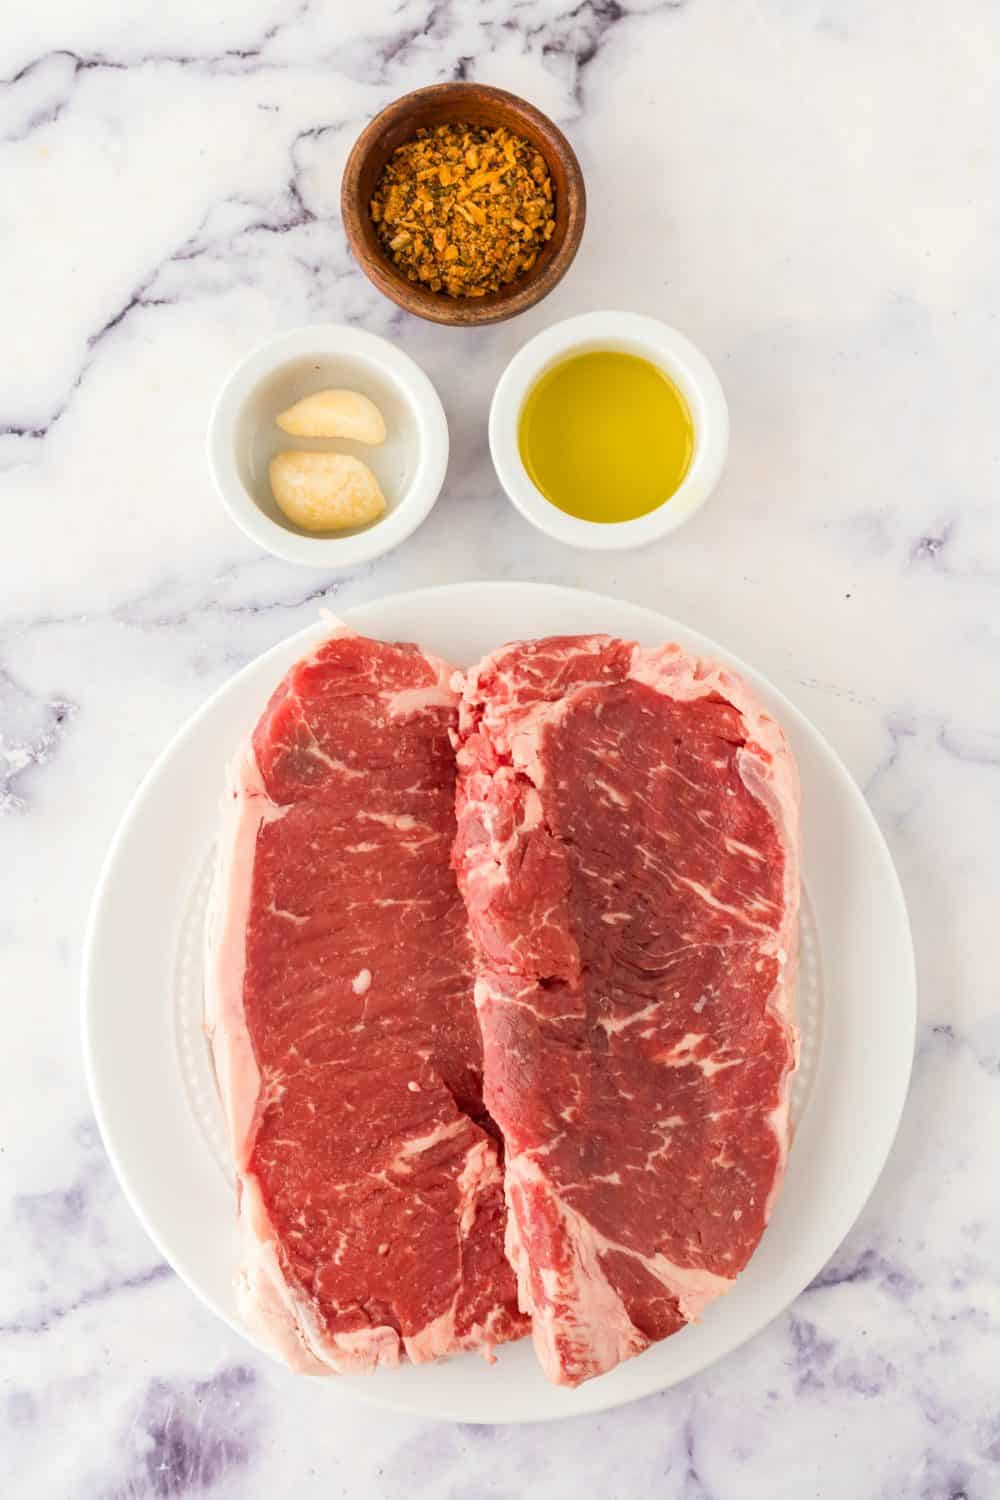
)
(809, 189)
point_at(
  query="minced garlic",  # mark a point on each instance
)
(464, 209)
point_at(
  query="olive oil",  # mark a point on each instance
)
(606, 436)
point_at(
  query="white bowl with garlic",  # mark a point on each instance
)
(328, 445)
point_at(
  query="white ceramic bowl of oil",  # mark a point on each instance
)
(244, 436)
(685, 368)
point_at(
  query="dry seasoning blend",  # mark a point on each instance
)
(464, 209)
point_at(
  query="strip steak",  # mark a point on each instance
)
(344, 1034)
(628, 852)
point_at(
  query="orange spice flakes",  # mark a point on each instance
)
(464, 209)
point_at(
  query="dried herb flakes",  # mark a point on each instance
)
(463, 209)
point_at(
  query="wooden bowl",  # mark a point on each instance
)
(475, 104)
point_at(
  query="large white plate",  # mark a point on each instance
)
(151, 1080)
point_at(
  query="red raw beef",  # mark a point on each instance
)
(628, 852)
(339, 1003)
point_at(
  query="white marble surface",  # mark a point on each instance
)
(809, 189)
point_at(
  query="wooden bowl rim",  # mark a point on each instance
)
(435, 306)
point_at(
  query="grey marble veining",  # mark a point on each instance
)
(810, 191)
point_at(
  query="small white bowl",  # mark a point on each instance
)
(243, 437)
(662, 346)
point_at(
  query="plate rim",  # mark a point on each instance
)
(873, 1163)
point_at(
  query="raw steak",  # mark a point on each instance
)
(627, 849)
(340, 1009)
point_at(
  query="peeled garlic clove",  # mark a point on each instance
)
(325, 491)
(334, 414)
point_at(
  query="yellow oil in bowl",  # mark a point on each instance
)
(606, 436)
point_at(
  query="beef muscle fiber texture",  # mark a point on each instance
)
(339, 1005)
(627, 849)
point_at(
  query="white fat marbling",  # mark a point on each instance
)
(808, 188)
